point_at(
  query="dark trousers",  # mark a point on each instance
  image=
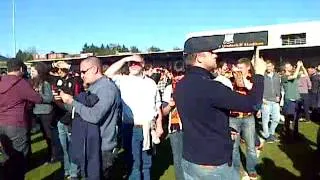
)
(15, 148)
(47, 131)
(315, 106)
(305, 103)
(291, 123)
(314, 100)
(108, 159)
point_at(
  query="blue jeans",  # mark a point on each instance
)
(139, 161)
(270, 109)
(194, 171)
(176, 140)
(245, 126)
(70, 169)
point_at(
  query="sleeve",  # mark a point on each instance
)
(232, 100)
(229, 84)
(157, 98)
(106, 95)
(309, 83)
(68, 107)
(278, 90)
(167, 94)
(28, 93)
(46, 93)
(117, 80)
(284, 79)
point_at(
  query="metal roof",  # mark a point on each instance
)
(108, 56)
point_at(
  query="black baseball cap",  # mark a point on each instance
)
(203, 44)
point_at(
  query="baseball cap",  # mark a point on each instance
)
(203, 44)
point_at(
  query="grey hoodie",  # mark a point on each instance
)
(272, 87)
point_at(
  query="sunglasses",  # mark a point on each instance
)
(133, 63)
(84, 72)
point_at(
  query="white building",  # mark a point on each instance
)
(304, 34)
(279, 42)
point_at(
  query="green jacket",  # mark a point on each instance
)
(290, 88)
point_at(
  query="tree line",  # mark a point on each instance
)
(103, 49)
(112, 49)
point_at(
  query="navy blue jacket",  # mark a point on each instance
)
(86, 141)
(204, 105)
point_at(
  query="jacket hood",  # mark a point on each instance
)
(7, 82)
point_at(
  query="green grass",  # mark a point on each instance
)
(277, 161)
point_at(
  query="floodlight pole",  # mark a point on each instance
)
(13, 28)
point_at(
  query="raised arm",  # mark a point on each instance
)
(115, 67)
(28, 93)
(296, 73)
(305, 72)
(232, 100)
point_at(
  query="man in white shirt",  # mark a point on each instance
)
(141, 106)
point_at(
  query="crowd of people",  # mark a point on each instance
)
(207, 110)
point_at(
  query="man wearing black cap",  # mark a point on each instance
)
(204, 105)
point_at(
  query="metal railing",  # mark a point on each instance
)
(294, 41)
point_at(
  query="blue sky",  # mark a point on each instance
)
(65, 25)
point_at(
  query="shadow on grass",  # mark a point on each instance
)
(57, 175)
(160, 163)
(37, 139)
(162, 160)
(268, 170)
(37, 159)
(304, 158)
(14, 165)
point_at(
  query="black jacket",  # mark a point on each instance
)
(86, 141)
(204, 105)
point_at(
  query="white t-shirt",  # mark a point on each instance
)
(225, 81)
(140, 98)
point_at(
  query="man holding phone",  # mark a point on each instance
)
(105, 113)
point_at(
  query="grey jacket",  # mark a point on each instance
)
(47, 97)
(106, 112)
(272, 87)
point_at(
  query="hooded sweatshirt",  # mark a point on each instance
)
(15, 92)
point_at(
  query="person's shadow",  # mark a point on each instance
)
(268, 170)
(305, 159)
(14, 165)
(162, 160)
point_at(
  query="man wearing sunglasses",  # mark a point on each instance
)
(65, 83)
(105, 113)
(141, 105)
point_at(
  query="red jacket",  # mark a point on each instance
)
(15, 93)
